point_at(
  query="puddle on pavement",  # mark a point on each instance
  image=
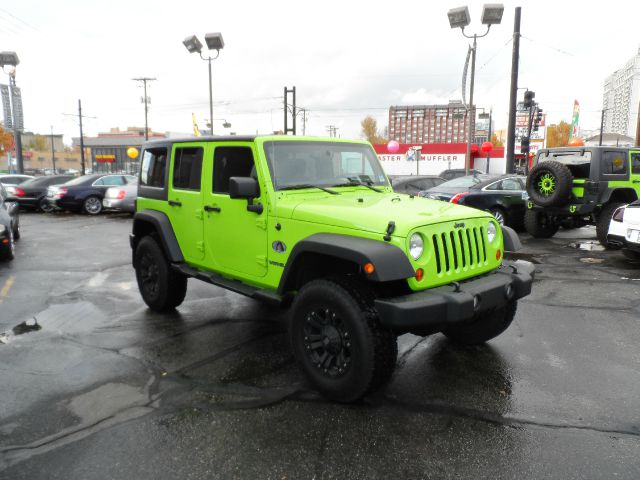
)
(20, 329)
(590, 246)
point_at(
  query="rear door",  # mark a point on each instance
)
(185, 198)
(236, 239)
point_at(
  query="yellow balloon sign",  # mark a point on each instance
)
(132, 152)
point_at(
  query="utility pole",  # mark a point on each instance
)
(638, 128)
(288, 91)
(81, 138)
(515, 58)
(53, 152)
(601, 126)
(333, 131)
(144, 81)
(16, 102)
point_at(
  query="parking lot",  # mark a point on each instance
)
(94, 385)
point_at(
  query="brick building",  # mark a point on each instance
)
(426, 124)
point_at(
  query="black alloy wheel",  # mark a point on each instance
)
(327, 342)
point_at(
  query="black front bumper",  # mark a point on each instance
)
(433, 310)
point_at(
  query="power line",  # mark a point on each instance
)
(19, 19)
(564, 52)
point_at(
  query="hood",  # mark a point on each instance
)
(372, 211)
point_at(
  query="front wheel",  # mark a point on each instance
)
(338, 341)
(484, 327)
(162, 289)
(92, 205)
(499, 214)
(45, 206)
(602, 224)
(539, 224)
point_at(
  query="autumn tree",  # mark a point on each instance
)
(496, 142)
(370, 130)
(558, 135)
(6, 139)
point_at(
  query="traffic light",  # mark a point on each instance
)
(538, 118)
(528, 98)
(524, 145)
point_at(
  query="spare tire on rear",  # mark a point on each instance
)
(549, 184)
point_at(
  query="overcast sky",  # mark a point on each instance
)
(347, 59)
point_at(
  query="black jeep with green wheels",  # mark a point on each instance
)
(573, 187)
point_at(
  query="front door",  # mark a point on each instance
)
(185, 199)
(634, 156)
(236, 239)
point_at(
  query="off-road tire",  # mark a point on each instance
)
(539, 225)
(549, 184)
(483, 327)
(7, 252)
(92, 205)
(162, 288)
(602, 224)
(351, 326)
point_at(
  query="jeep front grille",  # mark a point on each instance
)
(459, 249)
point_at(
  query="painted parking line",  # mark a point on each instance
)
(6, 287)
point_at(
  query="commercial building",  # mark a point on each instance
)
(426, 124)
(621, 99)
(109, 149)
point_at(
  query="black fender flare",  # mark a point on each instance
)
(510, 239)
(162, 226)
(390, 262)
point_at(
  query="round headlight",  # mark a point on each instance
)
(491, 232)
(416, 246)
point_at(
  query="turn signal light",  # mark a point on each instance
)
(419, 274)
(498, 254)
(369, 268)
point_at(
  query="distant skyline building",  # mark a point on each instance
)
(621, 97)
(424, 124)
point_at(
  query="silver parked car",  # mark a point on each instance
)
(122, 197)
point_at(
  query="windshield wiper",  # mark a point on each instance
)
(354, 183)
(308, 185)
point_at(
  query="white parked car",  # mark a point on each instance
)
(624, 230)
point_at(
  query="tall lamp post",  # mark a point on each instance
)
(11, 59)
(460, 18)
(215, 42)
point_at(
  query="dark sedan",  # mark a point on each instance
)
(85, 194)
(9, 225)
(503, 196)
(458, 172)
(413, 184)
(32, 193)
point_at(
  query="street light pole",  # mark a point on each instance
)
(81, 138)
(16, 126)
(210, 94)
(53, 152)
(601, 126)
(513, 94)
(471, 110)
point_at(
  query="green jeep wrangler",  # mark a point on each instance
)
(577, 186)
(314, 222)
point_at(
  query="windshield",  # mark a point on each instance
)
(468, 181)
(322, 163)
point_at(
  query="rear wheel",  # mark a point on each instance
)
(484, 327)
(539, 224)
(499, 214)
(603, 221)
(92, 205)
(162, 288)
(338, 340)
(16, 228)
(45, 206)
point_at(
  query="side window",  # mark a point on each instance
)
(100, 181)
(154, 164)
(231, 162)
(511, 184)
(187, 168)
(494, 186)
(113, 180)
(613, 163)
(635, 163)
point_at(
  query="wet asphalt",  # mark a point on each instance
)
(95, 386)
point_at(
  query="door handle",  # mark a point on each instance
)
(174, 203)
(209, 208)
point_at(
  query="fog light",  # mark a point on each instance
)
(508, 292)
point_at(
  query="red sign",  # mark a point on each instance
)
(105, 158)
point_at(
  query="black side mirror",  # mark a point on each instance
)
(246, 187)
(243, 187)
